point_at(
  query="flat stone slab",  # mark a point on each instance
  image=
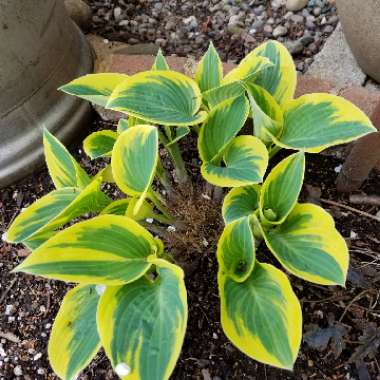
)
(336, 63)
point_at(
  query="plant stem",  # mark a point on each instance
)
(159, 203)
(163, 176)
(176, 156)
(274, 150)
(163, 219)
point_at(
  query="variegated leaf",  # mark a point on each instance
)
(99, 144)
(209, 72)
(245, 159)
(308, 245)
(74, 339)
(240, 202)
(314, 122)
(63, 169)
(222, 125)
(162, 97)
(134, 161)
(236, 250)
(142, 325)
(262, 316)
(280, 79)
(108, 249)
(97, 88)
(281, 188)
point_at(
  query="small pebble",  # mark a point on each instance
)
(353, 235)
(122, 369)
(280, 31)
(17, 370)
(295, 5)
(10, 309)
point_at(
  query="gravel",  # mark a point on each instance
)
(185, 27)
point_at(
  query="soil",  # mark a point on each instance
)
(341, 326)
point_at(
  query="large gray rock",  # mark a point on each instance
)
(295, 5)
(336, 64)
(361, 25)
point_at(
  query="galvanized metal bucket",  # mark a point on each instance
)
(40, 49)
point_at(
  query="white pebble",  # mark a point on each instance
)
(122, 369)
(42, 309)
(2, 352)
(9, 309)
(205, 196)
(171, 229)
(149, 220)
(353, 235)
(205, 242)
(4, 237)
(214, 336)
(338, 169)
(17, 370)
(47, 326)
(100, 289)
(41, 371)
(37, 356)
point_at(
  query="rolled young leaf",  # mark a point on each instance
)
(240, 202)
(162, 97)
(236, 250)
(222, 125)
(262, 316)
(74, 339)
(209, 72)
(246, 160)
(108, 249)
(97, 88)
(281, 188)
(280, 79)
(314, 122)
(308, 245)
(99, 144)
(134, 160)
(63, 169)
(142, 324)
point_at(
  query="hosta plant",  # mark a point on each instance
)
(130, 296)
